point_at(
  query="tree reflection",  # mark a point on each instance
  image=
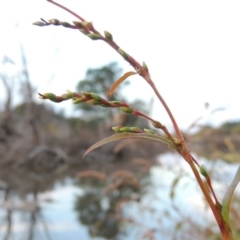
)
(19, 197)
(100, 206)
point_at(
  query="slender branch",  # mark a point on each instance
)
(66, 9)
(226, 232)
(175, 125)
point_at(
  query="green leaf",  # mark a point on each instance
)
(228, 197)
(173, 187)
(126, 135)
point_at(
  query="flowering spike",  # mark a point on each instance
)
(108, 35)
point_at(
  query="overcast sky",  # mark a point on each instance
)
(192, 49)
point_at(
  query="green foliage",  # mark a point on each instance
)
(229, 128)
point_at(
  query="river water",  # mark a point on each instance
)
(42, 206)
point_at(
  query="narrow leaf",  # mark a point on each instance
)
(125, 135)
(228, 197)
(173, 187)
(118, 82)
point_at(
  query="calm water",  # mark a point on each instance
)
(70, 208)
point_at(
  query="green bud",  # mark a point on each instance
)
(95, 96)
(145, 66)
(50, 96)
(203, 171)
(66, 24)
(88, 25)
(93, 102)
(108, 35)
(77, 100)
(86, 94)
(103, 105)
(124, 55)
(157, 124)
(126, 109)
(115, 102)
(83, 31)
(67, 95)
(40, 24)
(55, 22)
(78, 24)
(136, 130)
(117, 129)
(177, 141)
(94, 36)
(149, 131)
(125, 129)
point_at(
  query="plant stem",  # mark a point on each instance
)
(66, 9)
(225, 231)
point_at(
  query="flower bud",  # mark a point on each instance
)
(117, 128)
(136, 130)
(203, 171)
(149, 131)
(77, 100)
(145, 66)
(95, 96)
(86, 94)
(157, 124)
(108, 35)
(126, 109)
(93, 102)
(94, 36)
(67, 95)
(66, 24)
(83, 31)
(78, 24)
(40, 24)
(88, 25)
(125, 129)
(124, 55)
(55, 22)
(115, 103)
(50, 96)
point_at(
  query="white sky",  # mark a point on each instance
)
(192, 49)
